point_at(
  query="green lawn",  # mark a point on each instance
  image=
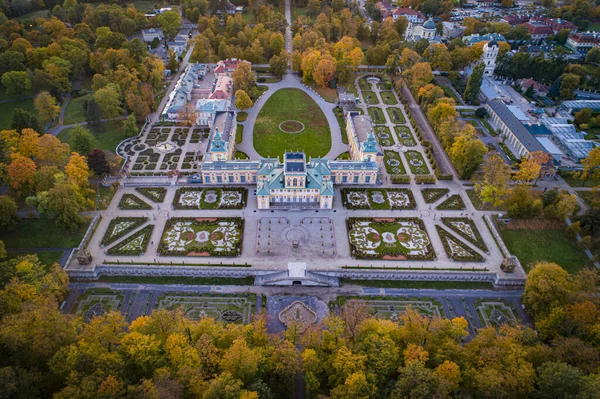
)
(178, 280)
(6, 110)
(42, 233)
(438, 285)
(74, 112)
(376, 115)
(388, 97)
(575, 182)
(370, 97)
(45, 257)
(339, 115)
(239, 134)
(448, 92)
(34, 14)
(143, 5)
(532, 246)
(595, 26)
(291, 104)
(108, 134)
(396, 115)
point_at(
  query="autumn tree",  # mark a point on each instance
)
(324, 72)
(51, 151)
(438, 56)
(17, 83)
(242, 100)
(77, 171)
(21, 174)
(278, 64)
(418, 76)
(8, 213)
(494, 179)
(521, 203)
(243, 77)
(474, 83)
(591, 165)
(467, 154)
(408, 58)
(29, 143)
(529, 170)
(46, 107)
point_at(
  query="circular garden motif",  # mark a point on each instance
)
(393, 162)
(165, 147)
(291, 126)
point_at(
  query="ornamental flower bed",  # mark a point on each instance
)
(133, 202)
(405, 137)
(133, 245)
(416, 163)
(431, 195)
(467, 229)
(396, 115)
(389, 239)
(120, 227)
(202, 237)
(370, 198)
(393, 163)
(210, 198)
(384, 136)
(456, 249)
(453, 203)
(155, 194)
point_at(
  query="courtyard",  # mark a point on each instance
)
(291, 120)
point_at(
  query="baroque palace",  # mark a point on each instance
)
(295, 182)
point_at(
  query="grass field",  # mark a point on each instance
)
(532, 246)
(239, 134)
(42, 233)
(6, 110)
(34, 14)
(438, 285)
(143, 5)
(283, 105)
(74, 112)
(108, 134)
(370, 97)
(376, 115)
(388, 97)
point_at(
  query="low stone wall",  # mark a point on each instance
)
(84, 242)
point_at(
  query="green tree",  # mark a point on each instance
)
(22, 119)
(170, 21)
(593, 56)
(65, 202)
(568, 83)
(92, 111)
(109, 101)
(278, 64)
(17, 83)
(81, 140)
(173, 64)
(8, 213)
(474, 83)
(130, 126)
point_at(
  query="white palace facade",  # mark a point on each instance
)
(295, 181)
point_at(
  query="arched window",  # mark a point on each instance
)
(295, 182)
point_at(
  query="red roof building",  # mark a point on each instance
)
(557, 24)
(538, 30)
(411, 15)
(226, 67)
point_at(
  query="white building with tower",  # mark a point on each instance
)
(428, 31)
(490, 53)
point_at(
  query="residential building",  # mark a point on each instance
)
(472, 39)
(148, 35)
(451, 30)
(361, 138)
(178, 45)
(416, 17)
(557, 24)
(207, 109)
(516, 19)
(384, 9)
(222, 89)
(538, 30)
(582, 42)
(538, 88)
(512, 129)
(182, 93)
(227, 67)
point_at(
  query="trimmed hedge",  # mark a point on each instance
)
(118, 249)
(109, 238)
(475, 257)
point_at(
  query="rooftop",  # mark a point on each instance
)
(515, 126)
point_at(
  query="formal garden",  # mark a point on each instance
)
(134, 244)
(154, 194)
(371, 198)
(97, 302)
(120, 227)
(384, 137)
(391, 308)
(467, 229)
(416, 163)
(202, 237)
(283, 106)
(133, 202)
(495, 312)
(389, 239)
(388, 97)
(396, 115)
(237, 309)
(405, 137)
(453, 203)
(210, 198)
(393, 163)
(457, 249)
(376, 115)
(431, 195)
(370, 97)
